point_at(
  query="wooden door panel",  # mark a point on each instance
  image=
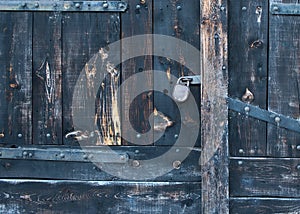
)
(16, 78)
(284, 79)
(47, 78)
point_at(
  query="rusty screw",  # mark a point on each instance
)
(176, 164)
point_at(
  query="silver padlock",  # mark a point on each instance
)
(181, 90)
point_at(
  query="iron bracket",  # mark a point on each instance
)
(64, 154)
(285, 9)
(64, 6)
(280, 120)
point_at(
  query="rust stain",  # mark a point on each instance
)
(248, 96)
(161, 121)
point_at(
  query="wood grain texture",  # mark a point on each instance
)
(264, 177)
(179, 19)
(84, 36)
(137, 21)
(264, 205)
(188, 171)
(99, 197)
(248, 48)
(214, 158)
(284, 81)
(47, 78)
(15, 79)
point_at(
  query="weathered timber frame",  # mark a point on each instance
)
(214, 111)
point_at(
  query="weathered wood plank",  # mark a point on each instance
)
(264, 205)
(47, 78)
(189, 169)
(98, 197)
(137, 21)
(284, 80)
(15, 79)
(214, 131)
(84, 36)
(264, 177)
(179, 19)
(248, 47)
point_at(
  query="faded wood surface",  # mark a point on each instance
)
(137, 21)
(265, 177)
(98, 197)
(174, 18)
(264, 205)
(15, 79)
(248, 47)
(47, 78)
(284, 81)
(84, 36)
(214, 156)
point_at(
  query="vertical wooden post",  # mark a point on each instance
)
(214, 111)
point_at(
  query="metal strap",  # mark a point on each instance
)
(64, 154)
(285, 9)
(280, 120)
(64, 6)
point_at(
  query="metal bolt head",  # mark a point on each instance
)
(77, 5)
(275, 8)
(176, 164)
(2, 135)
(177, 150)
(23, 4)
(25, 153)
(122, 157)
(247, 109)
(85, 157)
(138, 136)
(62, 155)
(143, 1)
(176, 136)
(222, 8)
(48, 135)
(298, 167)
(224, 67)
(136, 151)
(241, 151)
(135, 163)
(20, 135)
(36, 5)
(298, 147)
(138, 7)
(30, 155)
(105, 5)
(178, 7)
(277, 119)
(244, 8)
(240, 162)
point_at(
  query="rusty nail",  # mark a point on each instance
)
(277, 119)
(77, 5)
(176, 164)
(178, 7)
(62, 155)
(20, 135)
(25, 153)
(138, 6)
(105, 5)
(136, 163)
(244, 8)
(247, 109)
(240, 162)
(241, 151)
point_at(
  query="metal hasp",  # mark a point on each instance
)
(193, 80)
(96, 154)
(280, 120)
(285, 9)
(64, 6)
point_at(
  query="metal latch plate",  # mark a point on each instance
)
(64, 6)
